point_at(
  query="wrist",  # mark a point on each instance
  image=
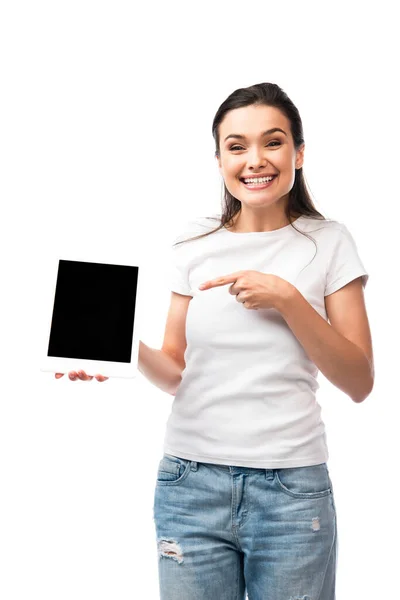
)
(286, 297)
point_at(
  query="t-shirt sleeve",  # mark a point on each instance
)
(184, 255)
(179, 268)
(345, 263)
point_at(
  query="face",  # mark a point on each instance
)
(258, 154)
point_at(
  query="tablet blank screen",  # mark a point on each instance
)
(94, 310)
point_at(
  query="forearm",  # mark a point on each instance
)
(159, 368)
(339, 360)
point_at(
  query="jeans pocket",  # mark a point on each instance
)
(305, 482)
(172, 470)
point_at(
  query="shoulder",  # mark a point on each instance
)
(195, 226)
(328, 232)
(311, 224)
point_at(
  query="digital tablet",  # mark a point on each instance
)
(94, 319)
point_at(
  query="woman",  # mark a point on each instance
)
(243, 500)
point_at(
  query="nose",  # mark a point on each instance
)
(256, 159)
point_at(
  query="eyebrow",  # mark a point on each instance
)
(243, 137)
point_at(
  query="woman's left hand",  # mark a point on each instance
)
(254, 289)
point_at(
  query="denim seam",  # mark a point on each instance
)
(303, 495)
(246, 516)
(237, 585)
(327, 562)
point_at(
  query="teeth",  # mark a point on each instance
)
(258, 179)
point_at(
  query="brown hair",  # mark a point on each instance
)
(267, 94)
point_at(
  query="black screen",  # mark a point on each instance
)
(94, 310)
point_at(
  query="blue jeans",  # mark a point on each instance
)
(224, 531)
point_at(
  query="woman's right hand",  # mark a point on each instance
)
(74, 375)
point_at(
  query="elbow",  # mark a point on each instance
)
(360, 398)
(174, 389)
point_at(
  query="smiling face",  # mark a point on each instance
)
(258, 154)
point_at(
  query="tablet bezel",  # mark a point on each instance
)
(57, 364)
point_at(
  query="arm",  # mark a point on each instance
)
(159, 368)
(341, 350)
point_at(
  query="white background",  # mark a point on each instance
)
(106, 146)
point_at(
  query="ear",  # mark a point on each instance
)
(300, 157)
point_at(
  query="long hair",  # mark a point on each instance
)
(267, 94)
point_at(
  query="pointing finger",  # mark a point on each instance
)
(220, 281)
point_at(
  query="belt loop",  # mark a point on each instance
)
(269, 474)
(193, 465)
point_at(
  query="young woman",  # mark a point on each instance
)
(243, 499)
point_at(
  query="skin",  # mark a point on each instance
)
(262, 210)
(254, 289)
(75, 375)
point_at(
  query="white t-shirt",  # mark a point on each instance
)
(248, 391)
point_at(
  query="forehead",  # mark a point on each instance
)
(252, 120)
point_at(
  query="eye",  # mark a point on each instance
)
(236, 146)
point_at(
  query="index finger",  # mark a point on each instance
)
(219, 281)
